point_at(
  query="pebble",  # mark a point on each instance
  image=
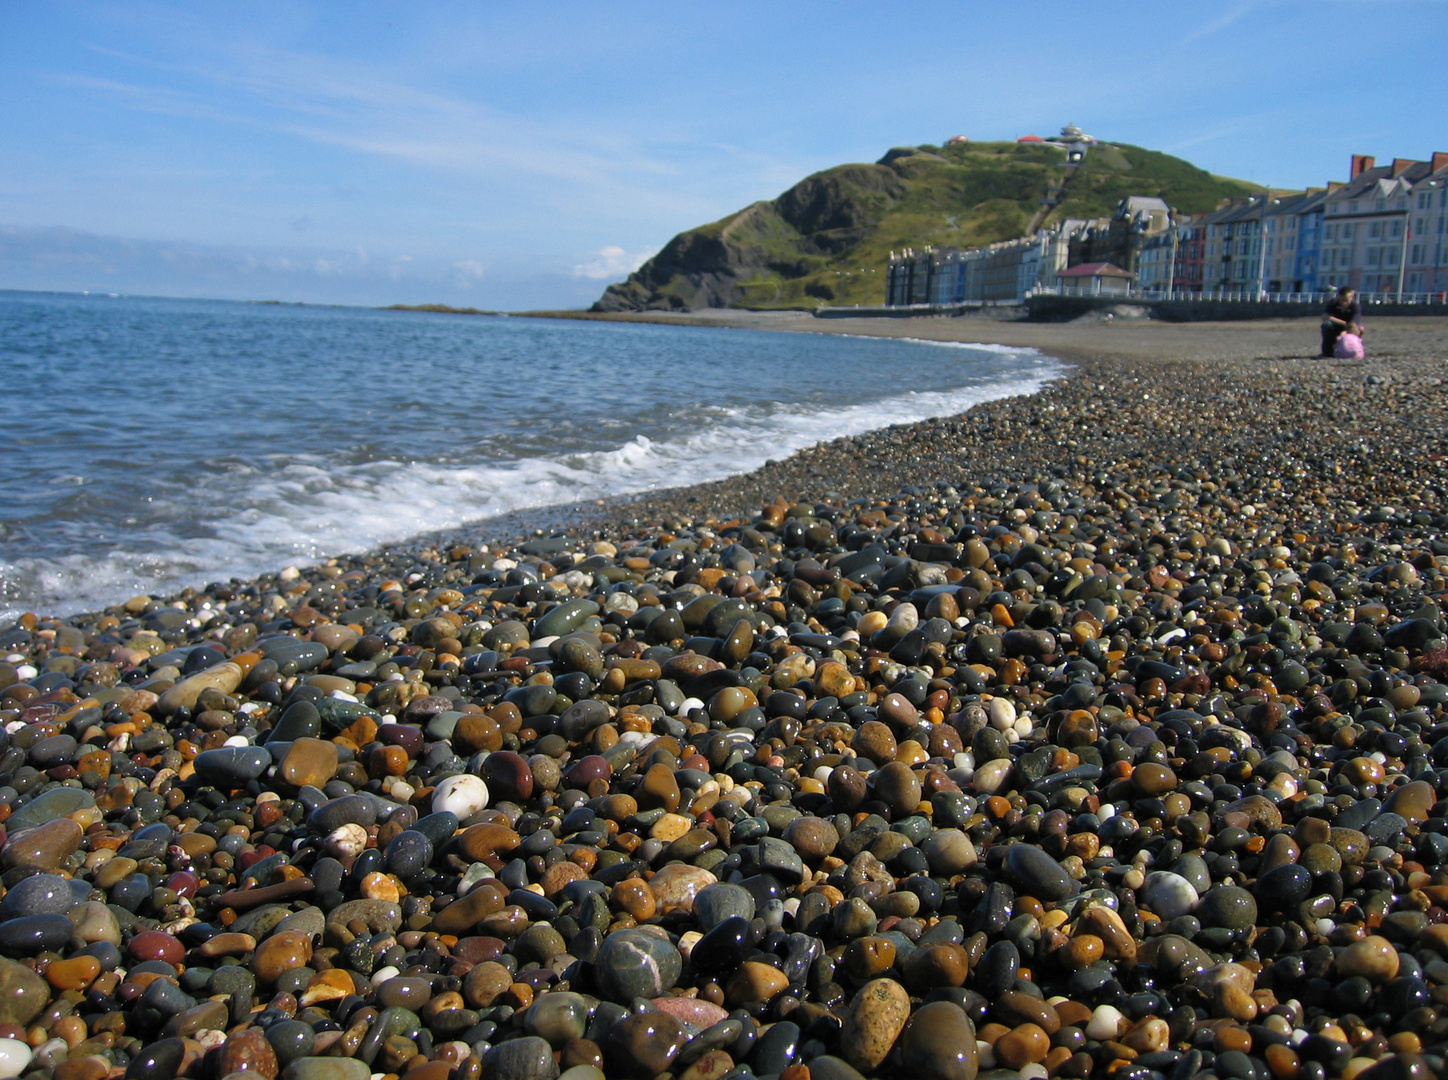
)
(634, 964)
(940, 1041)
(15, 1056)
(873, 1022)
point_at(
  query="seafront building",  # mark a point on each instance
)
(1382, 231)
(1005, 272)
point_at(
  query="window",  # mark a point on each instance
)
(1420, 226)
(1398, 227)
(1329, 232)
(1423, 197)
(1392, 256)
(1375, 230)
(1352, 207)
(1417, 255)
(1347, 230)
(1373, 254)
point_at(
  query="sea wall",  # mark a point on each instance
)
(1049, 308)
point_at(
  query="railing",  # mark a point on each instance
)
(1251, 296)
(1254, 296)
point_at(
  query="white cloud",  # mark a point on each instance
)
(612, 262)
(466, 272)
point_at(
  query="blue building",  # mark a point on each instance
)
(1309, 239)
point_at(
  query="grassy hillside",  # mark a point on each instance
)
(827, 238)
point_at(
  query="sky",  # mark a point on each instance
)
(514, 156)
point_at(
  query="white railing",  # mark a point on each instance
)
(1251, 296)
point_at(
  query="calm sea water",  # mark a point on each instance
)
(149, 444)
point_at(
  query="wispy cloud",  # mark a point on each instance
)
(349, 105)
(1221, 22)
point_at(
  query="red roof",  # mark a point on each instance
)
(1030, 138)
(1094, 270)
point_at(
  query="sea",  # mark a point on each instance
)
(150, 444)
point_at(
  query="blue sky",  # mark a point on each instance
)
(524, 155)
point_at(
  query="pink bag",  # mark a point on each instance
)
(1349, 347)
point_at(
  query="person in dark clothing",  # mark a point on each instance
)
(1343, 314)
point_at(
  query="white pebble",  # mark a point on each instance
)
(26, 672)
(1002, 714)
(381, 975)
(991, 776)
(1032, 1071)
(14, 1057)
(342, 695)
(687, 705)
(905, 617)
(237, 740)
(401, 791)
(463, 795)
(1105, 1023)
(348, 839)
(986, 1052)
(1022, 727)
(1168, 894)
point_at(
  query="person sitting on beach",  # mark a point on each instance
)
(1342, 314)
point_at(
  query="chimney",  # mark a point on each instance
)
(1440, 160)
(1401, 165)
(1361, 163)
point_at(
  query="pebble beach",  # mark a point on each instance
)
(1096, 733)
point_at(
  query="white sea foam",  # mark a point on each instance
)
(310, 509)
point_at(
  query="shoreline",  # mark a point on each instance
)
(831, 469)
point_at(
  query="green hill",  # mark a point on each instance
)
(827, 239)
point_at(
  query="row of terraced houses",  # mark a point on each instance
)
(1383, 231)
